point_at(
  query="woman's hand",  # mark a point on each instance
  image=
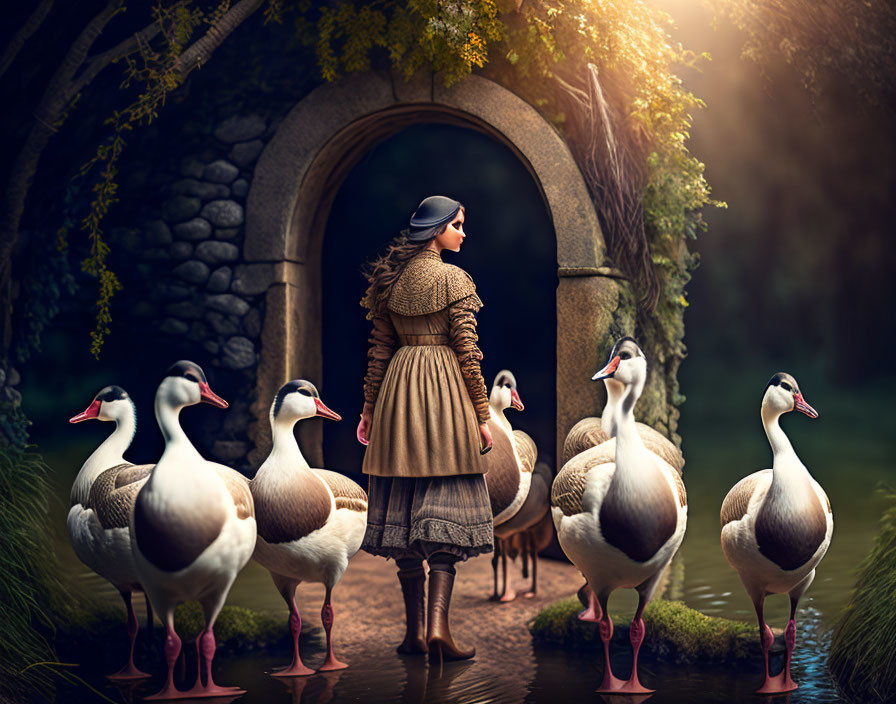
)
(364, 426)
(485, 438)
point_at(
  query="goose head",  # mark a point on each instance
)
(299, 399)
(185, 385)
(111, 403)
(782, 395)
(504, 393)
(627, 366)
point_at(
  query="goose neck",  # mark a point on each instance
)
(629, 445)
(615, 392)
(782, 450)
(168, 418)
(285, 450)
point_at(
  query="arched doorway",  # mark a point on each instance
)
(299, 174)
(510, 251)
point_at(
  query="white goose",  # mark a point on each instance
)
(509, 466)
(621, 522)
(310, 521)
(192, 528)
(527, 532)
(592, 431)
(98, 518)
(777, 524)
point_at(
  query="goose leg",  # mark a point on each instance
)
(609, 684)
(776, 684)
(508, 593)
(592, 613)
(327, 616)
(530, 550)
(296, 668)
(172, 650)
(211, 608)
(495, 595)
(129, 671)
(636, 636)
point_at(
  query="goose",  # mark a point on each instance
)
(587, 434)
(777, 524)
(100, 500)
(310, 521)
(526, 533)
(621, 521)
(591, 432)
(192, 528)
(509, 464)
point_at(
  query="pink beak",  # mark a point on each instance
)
(325, 412)
(210, 397)
(799, 404)
(93, 410)
(608, 370)
(515, 400)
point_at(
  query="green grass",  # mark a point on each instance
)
(675, 632)
(30, 591)
(863, 648)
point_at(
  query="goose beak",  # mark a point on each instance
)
(325, 412)
(206, 395)
(93, 410)
(799, 404)
(608, 370)
(515, 400)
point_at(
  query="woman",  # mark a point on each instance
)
(425, 418)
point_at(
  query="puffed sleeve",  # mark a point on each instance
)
(462, 337)
(382, 345)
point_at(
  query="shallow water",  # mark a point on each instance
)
(848, 460)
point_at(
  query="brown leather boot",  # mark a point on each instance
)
(412, 590)
(438, 635)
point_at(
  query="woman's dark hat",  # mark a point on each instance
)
(429, 217)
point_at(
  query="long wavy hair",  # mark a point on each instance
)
(383, 271)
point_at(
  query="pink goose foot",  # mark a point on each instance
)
(778, 684)
(327, 616)
(636, 635)
(296, 668)
(129, 671)
(210, 689)
(592, 613)
(609, 684)
(172, 650)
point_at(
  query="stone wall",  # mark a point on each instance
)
(186, 250)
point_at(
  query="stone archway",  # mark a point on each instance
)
(314, 149)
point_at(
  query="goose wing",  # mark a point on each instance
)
(585, 434)
(736, 503)
(238, 488)
(113, 493)
(660, 445)
(526, 449)
(346, 492)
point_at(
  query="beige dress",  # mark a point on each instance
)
(427, 492)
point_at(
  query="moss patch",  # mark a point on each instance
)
(863, 648)
(675, 632)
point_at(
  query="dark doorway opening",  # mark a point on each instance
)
(510, 252)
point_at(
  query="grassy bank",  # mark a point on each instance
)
(863, 648)
(675, 632)
(30, 591)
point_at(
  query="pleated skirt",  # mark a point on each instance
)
(409, 516)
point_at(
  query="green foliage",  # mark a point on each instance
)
(675, 632)
(30, 590)
(821, 39)
(863, 649)
(452, 38)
